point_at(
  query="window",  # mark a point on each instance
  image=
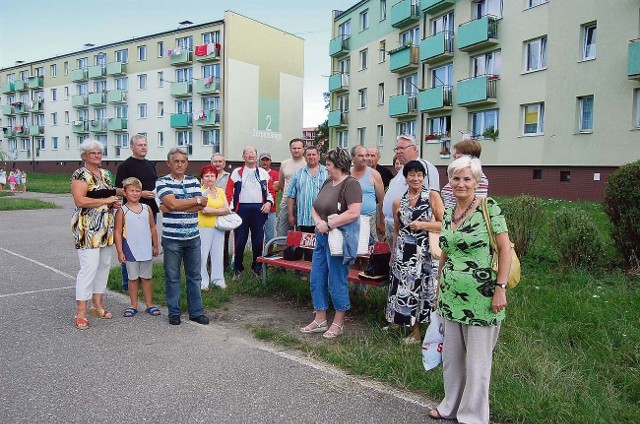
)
(381, 93)
(362, 98)
(442, 23)
(39, 71)
(382, 52)
(100, 113)
(637, 109)
(66, 93)
(122, 140)
(100, 86)
(533, 119)
(361, 136)
(380, 135)
(25, 144)
(160, 109)
(54, 94)
(345, 30)
(66, 117)
(535, 54)
(343, 103)
(486, 64)
(211, 71)
(160, 139)
(537, 174)
(41, 143)
(565, 176)
(589, 42)
(585, 123)
(364, 59)
(101, 59)
(383, 10)
(211, 104)
(160, 79)
(185, 139)
(121, 83)
(483, 8)
(160, 49)
(534, 3)
(185, 43)
(54, 118)
(344, 66)
(184, 75)
(122, 56)
(438, 126)
(406, 127)
(184, 106)
(82, 89)
(211, 138)
(54, 70)
(364, 20)
(67, 142)
(54, 143)
(142, 81)
(483, 121)
(83, 62)
(410, 37)
(442, 76)
(408, 85)
(211, 37)
(122, 111)
(66, 68)
(142, 110)
(343, 139)
(142, 53)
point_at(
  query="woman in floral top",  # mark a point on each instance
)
(471, 298)
(92, 226)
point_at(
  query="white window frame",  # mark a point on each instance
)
(121, 111)
(345, 29)
(54, 70)
(54, 94)
(142, 111)
(364, 59)
(361, 134)
(364, 20)
(380, 135)
(536, 128)
(440, 125)
(121, 83)
(637, 120)
(41, 143)
(343, 139)
(383, 10)
(160, 139)
(442, 76)
(533, 3)
(211, 138)
(585, 125)
(406, 127)
(54, 119)
(121, 56)
(160, 79)
(540, 55)
(381, 94)
(66, 117)
(160, 109)
(410, 37)
(489, 63)
(54, 143)
(589, 41)
(142, 82)
(478, 121)
(482, 8)
(82, 62)
(142, 53)
(362, 98)
(382, 51)
(160, 48)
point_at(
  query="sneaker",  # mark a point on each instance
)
(236, 276)
(220, 284)
(174, 319)
(200, 319)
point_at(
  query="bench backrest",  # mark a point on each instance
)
(300, 239)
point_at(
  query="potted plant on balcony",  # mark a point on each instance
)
(491, 133)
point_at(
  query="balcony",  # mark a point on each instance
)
(79, 127)
(209, 85)
(36, 130)
(181, 89)
(21, 131)
(35, 82)
(209, 118)
(98, 125)
(98, 71)
(97, 99)
(117, 96)
(21, 85)
(478, 34)
(78, 75)
(431, 7)
(404, 59)
(213, 56)
(79, 101)
(184, 57)
(435, 99)
(8, 88)
(339, 46)
(437, 47)
(8, 132)
(338, 82)
(404, 13)
(403, 105)
(8, 110)
(36, 106)
(20, 108)
(117, 124)
(477, 91)
(338, 118)
(633, 65)
(181, 120)
(116, 68)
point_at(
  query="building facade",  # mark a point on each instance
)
(213, 87)
(551, 88)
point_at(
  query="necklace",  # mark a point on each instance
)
(414, 197)
(459, 218)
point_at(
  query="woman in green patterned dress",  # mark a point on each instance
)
(471, 297)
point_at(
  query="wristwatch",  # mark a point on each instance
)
(504, 286)
(198, 200)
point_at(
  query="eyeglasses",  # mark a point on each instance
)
(402, 148)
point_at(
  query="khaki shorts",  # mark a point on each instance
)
(141, 269)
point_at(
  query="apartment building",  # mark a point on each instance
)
(551, 88)
(212, 87)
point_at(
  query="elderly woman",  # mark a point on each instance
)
(472, 297)
(212, 239)
(92, 226)
(412, 291)
(338, 205)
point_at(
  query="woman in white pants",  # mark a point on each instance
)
(92, 225)
(212, 239)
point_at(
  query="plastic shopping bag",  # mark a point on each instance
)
(432, 344)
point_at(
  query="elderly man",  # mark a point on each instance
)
(373, 157)
(219, 162)
(144, 170)
(181, 200)
(406, 150)
(288, 167)
(372, 188)
(248, 193)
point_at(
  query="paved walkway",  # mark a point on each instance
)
(143, 369)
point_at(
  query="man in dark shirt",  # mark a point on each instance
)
(373, 156)
(144, 170)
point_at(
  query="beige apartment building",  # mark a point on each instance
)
(212, 87)
(550, 87)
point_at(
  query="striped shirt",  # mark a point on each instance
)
(305, 187)
(449, 199)
(179, 225)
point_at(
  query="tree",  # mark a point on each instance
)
(322, 140)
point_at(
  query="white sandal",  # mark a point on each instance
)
(332, 334)
(320, 327)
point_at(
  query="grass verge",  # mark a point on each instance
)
(14, 204)
(49, 183)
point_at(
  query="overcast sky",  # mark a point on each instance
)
(36, 29)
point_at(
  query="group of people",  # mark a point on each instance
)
(16, 179)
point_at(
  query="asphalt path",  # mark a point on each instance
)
(143, 369)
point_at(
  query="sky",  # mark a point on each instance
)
(51, 27)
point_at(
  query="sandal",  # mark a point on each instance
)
(81, 323)
(153, 310)
(332, 334)
(435, 415)
(319, 327)
(101, 313)
(129, 312)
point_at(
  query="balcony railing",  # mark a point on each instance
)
(36, 130)
(437, 47)
(214, 55)
(208, 118)
(20, 108)
(402, 105)
(79, 127)
(36, 82)
(79, 101)
(431, 7)
(21, 130)
(8, 110)
(436, 99)
(8, 88)
(404, 58)
(633, 64)
(36, 106)
(478, 34)
(477, 91)
(181, 120)
(117, 124)
(98, 125)
(98, 71)
(338, 82)
(97, 99)
(183, 57)
(117, 96)
(181, 89)
(209, 85)
(9, 132)
(338, 118)
(80, 74)
(21, 85)
(404, 13)
(339, 45)
(116, 68)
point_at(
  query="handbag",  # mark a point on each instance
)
(514, 272)
(228, 222)
(433, 341)
(378, 265)
(336, 239)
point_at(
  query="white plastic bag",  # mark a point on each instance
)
(336, 238)
(433, 341)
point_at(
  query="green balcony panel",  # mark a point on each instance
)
(117, 124)
(182, 58)
(338, 118)
(338, 82)
(117, 96)
(404, 59)
(36, 82)
(21, 109)
(98, 125)
(98, 71)
(36, 106)
(435, 99)
(210, 85)
(405, 104)
(8, 110)
(79, 127)
(79, 101)
(633, 65)
(116, 68)
(181, 89)
(8, 88)
(437, 47)
(404, 13)
(181, 120)
(210, 118)
(97, 99)
(79, 75)
(478, 34)
(431, 7)
(339, 46)
(476, 91)
(21, 130)
(9, 132)
(21, 85)
(36, 129)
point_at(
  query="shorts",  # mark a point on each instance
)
(142, 269)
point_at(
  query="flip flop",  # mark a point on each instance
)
(153, 311)
(129, 312)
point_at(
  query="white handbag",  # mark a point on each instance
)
(228, 222)
(336, 238)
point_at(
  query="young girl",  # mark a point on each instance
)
(12, 180)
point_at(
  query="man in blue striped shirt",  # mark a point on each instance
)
(181, 201)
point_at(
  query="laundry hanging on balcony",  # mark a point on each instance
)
(208, 81)
(200, 116)
(201, 50)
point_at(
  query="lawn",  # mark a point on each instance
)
(14, 203)
(49, 183)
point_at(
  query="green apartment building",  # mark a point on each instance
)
(550, 87)
(212, 87)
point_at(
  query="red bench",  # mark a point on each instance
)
(305, 241)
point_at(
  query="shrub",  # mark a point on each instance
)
(525, 216)
(622, 204)
(576, 239)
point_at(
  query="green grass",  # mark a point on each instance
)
(49, 183)
(13, 203)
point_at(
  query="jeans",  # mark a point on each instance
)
(328, 277)
(270, 226)
(123, 267)
(252, 220)
(175, 252)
